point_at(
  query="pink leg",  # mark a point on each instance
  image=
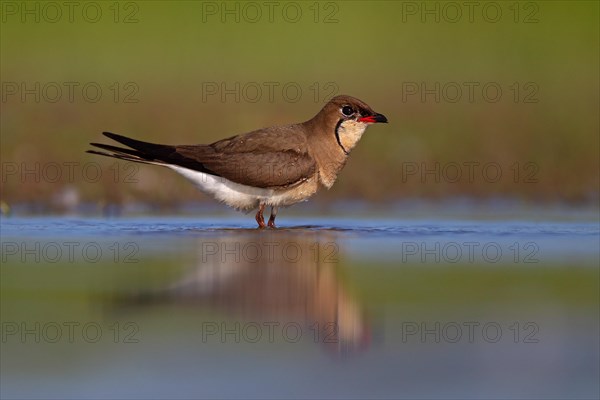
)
(272, 217)
(260, 219)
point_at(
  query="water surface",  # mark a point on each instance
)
(336, 308)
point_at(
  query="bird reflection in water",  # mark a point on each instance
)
(274, 277)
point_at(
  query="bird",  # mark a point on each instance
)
(272, 167)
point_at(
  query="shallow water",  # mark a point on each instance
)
(190, 307)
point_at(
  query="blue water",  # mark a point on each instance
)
(175, 307)
(530, 242)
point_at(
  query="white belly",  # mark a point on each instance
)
(244, 197)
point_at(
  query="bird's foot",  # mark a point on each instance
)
(260, 219)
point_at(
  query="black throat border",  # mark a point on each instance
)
(337, 136)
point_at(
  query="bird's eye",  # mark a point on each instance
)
(347, 111)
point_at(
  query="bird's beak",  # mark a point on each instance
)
(371, 119)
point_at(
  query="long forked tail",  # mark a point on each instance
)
(144, 152)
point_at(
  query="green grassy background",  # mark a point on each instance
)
(371, 52)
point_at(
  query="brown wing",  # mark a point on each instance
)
(265, 158)
(272, 157)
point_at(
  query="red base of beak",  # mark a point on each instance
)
(371, 119)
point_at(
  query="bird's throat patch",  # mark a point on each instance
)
(348, 133)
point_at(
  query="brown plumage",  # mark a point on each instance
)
(276, 166)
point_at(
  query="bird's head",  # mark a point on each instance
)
(346, 118)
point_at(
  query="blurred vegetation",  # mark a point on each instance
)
(375, 51)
